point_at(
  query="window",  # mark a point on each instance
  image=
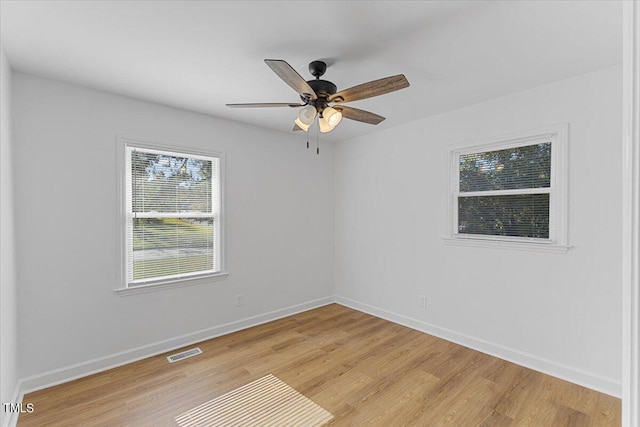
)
(510, 191)
(172, 214)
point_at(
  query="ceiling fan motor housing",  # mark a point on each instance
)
(322, 88)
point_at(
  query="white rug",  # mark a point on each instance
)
(265, 402)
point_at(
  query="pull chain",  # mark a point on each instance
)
(318, 140)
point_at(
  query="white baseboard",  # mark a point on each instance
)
(70, 373)
(590, 380)
(11, 418)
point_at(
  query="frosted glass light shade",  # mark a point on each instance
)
(303, 126)
(332, 116)
(324, 125)
(307, 115)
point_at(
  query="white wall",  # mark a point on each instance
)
(8, 277)
(557, 313)
(279, 207)
(560, 314)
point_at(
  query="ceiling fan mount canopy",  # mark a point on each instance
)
(320, 93)
(317, 68)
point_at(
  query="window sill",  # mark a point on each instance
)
(140, 289)
(502, 244)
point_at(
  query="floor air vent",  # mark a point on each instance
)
(184, 355)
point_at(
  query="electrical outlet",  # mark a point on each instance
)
(239, 300)
(423, 301)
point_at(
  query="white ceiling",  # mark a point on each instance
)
(200, 55)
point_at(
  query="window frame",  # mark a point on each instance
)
(557, 241)
(188, 279)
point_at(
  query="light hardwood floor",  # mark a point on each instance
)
(364, 370)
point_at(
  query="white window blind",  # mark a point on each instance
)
(173, 203)
(505, 192)
(511, 189)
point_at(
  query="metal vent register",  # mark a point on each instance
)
(184, 354)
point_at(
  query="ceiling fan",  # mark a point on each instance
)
(316, 95)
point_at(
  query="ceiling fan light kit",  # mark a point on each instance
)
(317, 94)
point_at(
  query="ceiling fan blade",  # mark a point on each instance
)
(265, 104)
(359, 115)
(291, 77)
(371, 89)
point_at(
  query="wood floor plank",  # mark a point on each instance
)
(364, 370)
(399, 404)
(496, 419)
(567, 417)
